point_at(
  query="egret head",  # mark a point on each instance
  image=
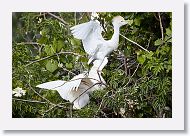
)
(119, 21)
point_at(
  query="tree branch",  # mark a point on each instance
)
(47, 57)
(29, 43)
(86, 91)
(161, 27)
(134, 43)
(58, 18)
(32, 101)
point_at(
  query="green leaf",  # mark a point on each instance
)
(137, 21)
(141, 59)
(49, 50)
(75, 42)
(129, 22)
(42, 40)
(59, 46)
(149, 55)
(51, 65)
(168, 31)
(83, 59)
(158, 42)
(69, 65)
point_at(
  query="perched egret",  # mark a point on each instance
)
(94, 44)
(78, 88)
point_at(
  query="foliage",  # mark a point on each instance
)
(139, 82)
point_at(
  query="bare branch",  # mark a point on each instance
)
(134, 43)
(32, 101)
(36, 91)
(47, 57)
(28, 43)
(58, 18)
(86, 90)
(101, 103)
(161, 27)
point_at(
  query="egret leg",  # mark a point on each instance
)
(99, 71)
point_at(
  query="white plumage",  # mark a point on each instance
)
(78, 88)
(93, 42)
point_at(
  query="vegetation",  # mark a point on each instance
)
(139, 82)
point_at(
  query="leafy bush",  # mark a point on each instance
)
(139, 82)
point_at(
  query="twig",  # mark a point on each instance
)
(134, 42)
(68, 71)
(29, 43)
(43, 114)
(135, 71)
(161, 27)
(132, 75)
(120, 67)
(75, 16)
(47, 57)
(156, 16)
(86, 90)
(36, 91)
(101, 103)
(40, 95)
(104, 114)
(32, 101)
(58, 18)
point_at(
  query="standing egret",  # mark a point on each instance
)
(94, 44)
(78, 88)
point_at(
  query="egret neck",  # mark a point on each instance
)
(115, 37)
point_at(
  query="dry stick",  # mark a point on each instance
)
(58, 18)
(137, 66)
(125, 66)
(75, 16)
(86, 90)
(132, 75)
(120, 67)
(156, 16)
(68, 71)
(161, 27)
(29, 43)
(134, 42)
(43, 114)
(36, 91)
(125, 62)
(40, 95)
(101, 103)
(32, 101)
(54, 105)
(52, 56)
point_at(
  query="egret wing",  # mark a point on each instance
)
(82, 30)
(90, 34)
(64, 88)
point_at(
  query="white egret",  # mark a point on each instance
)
(78, 88)
(94, 44)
